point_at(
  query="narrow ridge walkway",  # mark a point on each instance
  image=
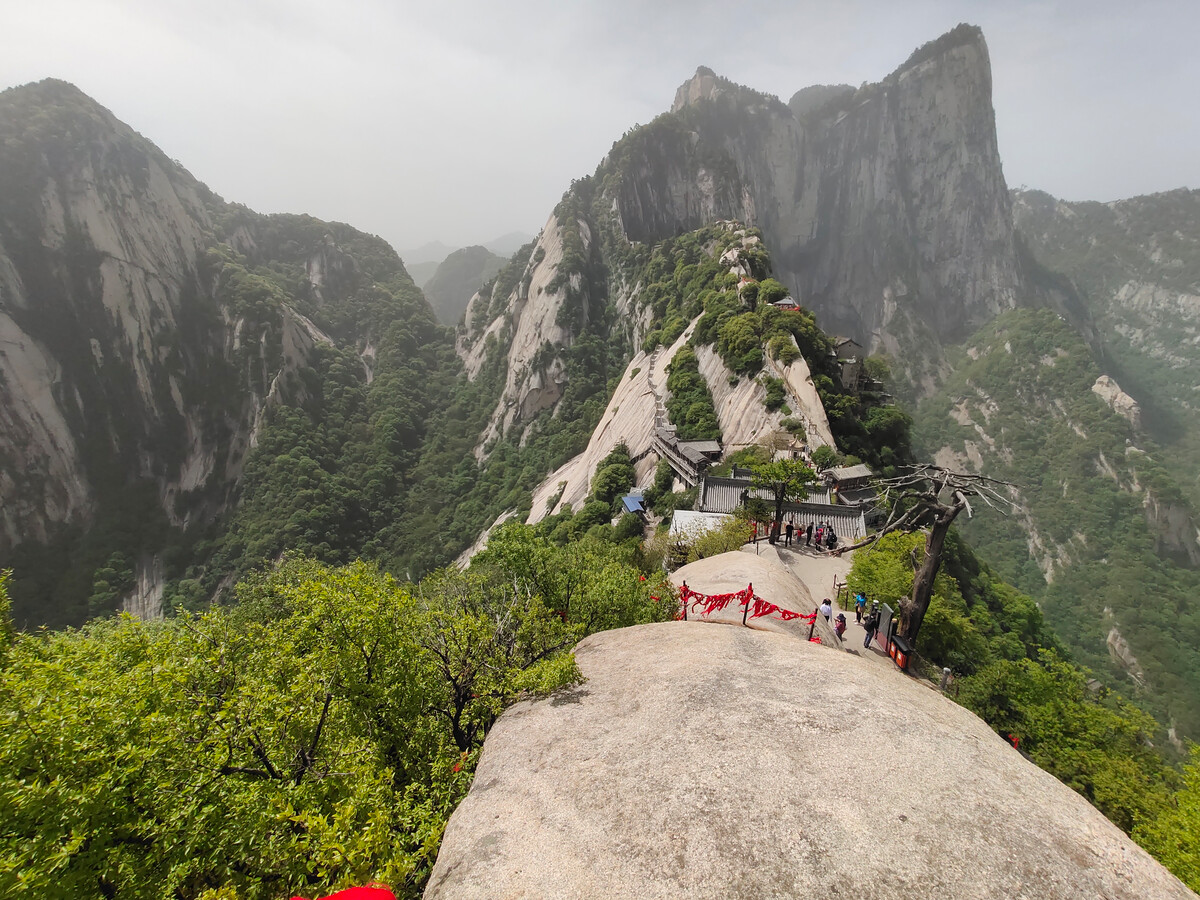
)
(820, 572)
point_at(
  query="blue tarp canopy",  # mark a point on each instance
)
(633, 503)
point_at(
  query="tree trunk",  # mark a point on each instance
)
(912, 617)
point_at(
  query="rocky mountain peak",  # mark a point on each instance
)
(704, 85)
(566, 773)
(885, 207)
(962, 35)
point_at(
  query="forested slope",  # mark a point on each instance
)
(1136, 262)
(1087, 538)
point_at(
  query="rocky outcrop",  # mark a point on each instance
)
(706, 761)
(1118, 401)
(704, 85)
(528, 321)
(760, 568)
(1174, 527)
(146, 600)
(628, 419)
(1122, 655)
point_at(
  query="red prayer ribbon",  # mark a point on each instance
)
(707, 604)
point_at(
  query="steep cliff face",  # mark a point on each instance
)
(101, 246)
(884, 208)
(131, 351)
(147, 331)
(530, 328)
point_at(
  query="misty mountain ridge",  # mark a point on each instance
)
(436, 251)
(190, 391)
(423, 262)
(457, 279)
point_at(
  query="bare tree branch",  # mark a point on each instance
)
(915, 500)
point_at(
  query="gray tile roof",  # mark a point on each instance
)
(722, 495)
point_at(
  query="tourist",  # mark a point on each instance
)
(871, 625)
(826, 608)
(830, 538)
(808, 535)
(860, 606)
(787, 542)
(840, 626)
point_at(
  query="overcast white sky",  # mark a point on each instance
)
(460, 120)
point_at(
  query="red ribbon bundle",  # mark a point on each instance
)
(765, 608)
(711, 603)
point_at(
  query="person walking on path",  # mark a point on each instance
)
(808, 536)
(787, 542)
(860, 606)
(826, 608)
(840, 625)
(871, 625)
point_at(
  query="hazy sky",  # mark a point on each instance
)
(460, 121)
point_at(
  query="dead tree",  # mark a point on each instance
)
(929, 498)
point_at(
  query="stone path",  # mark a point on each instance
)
(660, 407)
(819, 571)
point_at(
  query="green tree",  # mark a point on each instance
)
(787, 480)
(110, 583)
(771, 291)
(1173, 836)
(917, 501)
(591, 584)
(1101, 749)
(614, 476)
(824, 457)
(308, 738)
(8, 632)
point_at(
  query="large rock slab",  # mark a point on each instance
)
(700, 761)
(728, 573)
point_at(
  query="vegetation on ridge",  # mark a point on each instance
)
(315, 735)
